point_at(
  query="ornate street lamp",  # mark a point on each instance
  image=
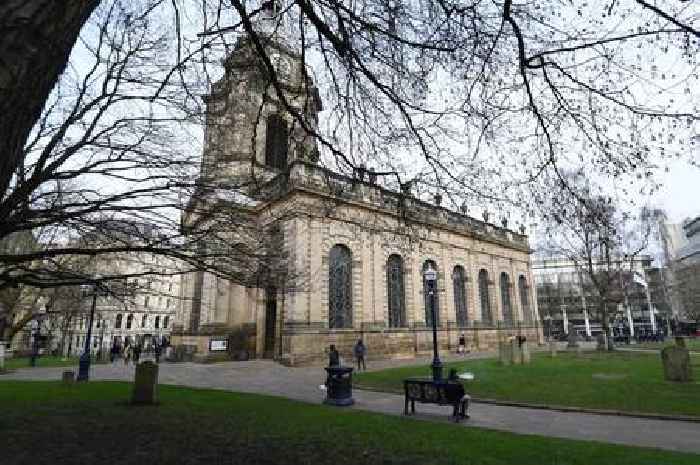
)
(548, 321)
(430, 276)
(36, 331)
(84, 363)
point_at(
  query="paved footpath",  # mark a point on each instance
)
(267, 377)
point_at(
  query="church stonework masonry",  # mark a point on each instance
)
(355, 251)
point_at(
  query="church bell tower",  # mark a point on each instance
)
(254, 128)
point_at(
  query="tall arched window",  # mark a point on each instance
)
(129, 321)
(524, 299)
(505, 298)
(166, 320)
(340, 287)
(395, 290)
(486, 315)
(458, 278)
(426, 296)
(144, 320)
(157, 322)
(276, 142)
(118, 323)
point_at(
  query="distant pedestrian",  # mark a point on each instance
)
(333, 357)
(360, 350)
(137, 354)
(127, 354)
(114, 353)
(156, 351)
(462, 344)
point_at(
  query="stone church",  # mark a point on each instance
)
(354, 252)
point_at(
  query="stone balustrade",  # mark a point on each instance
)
(307, 176)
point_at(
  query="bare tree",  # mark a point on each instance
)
(603, 243)
(484, 102)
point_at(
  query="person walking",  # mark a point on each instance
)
(333, 357)
(462, 344)
(137, 354)
(127, 354)
(360, 350)
(114, 353)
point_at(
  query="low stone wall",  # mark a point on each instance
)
(304, 346)
(301, 347)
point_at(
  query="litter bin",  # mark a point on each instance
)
(339, 386)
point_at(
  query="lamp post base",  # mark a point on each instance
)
(437, 369)
(84, 368)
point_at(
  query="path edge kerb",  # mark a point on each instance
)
(563, 408)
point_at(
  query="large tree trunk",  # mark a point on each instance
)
(36, 38)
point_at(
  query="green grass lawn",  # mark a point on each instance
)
(619, 381)
(46, 422)
(43, 361)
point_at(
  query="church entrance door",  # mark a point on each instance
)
(270, 322)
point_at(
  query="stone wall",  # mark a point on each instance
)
(300, 347)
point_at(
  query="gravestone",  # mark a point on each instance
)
(552, 349)
(145, 383)
(525, 352)
(676, 362)
(573, 338)
(516, 358)
(600, 340)
(505, 353)
(68, 377)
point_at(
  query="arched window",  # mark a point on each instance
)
(340, 287)
(395, 291)
(458, 278)
(144, 320)
(524, 299)
(166, 320)
(129, 321)
(484, 297)
(505, 298)
(118, 323)
(276, 142)
(157, 322)
(426, 296)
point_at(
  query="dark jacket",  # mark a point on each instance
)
(333, 358)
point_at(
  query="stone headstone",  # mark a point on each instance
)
(68, 377)
(525, 353)
(505, 353)
(516, 358)
(676, 361)
(552, 349)
(573, 339)
(145, 383)
(600, 341)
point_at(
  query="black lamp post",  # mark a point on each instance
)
(430, 276)
(548, 320)
(35, 342)
(84, 363)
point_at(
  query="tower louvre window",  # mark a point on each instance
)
(276, 142)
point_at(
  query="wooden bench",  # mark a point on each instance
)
(442, 392)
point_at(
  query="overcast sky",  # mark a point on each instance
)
(680, 196)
